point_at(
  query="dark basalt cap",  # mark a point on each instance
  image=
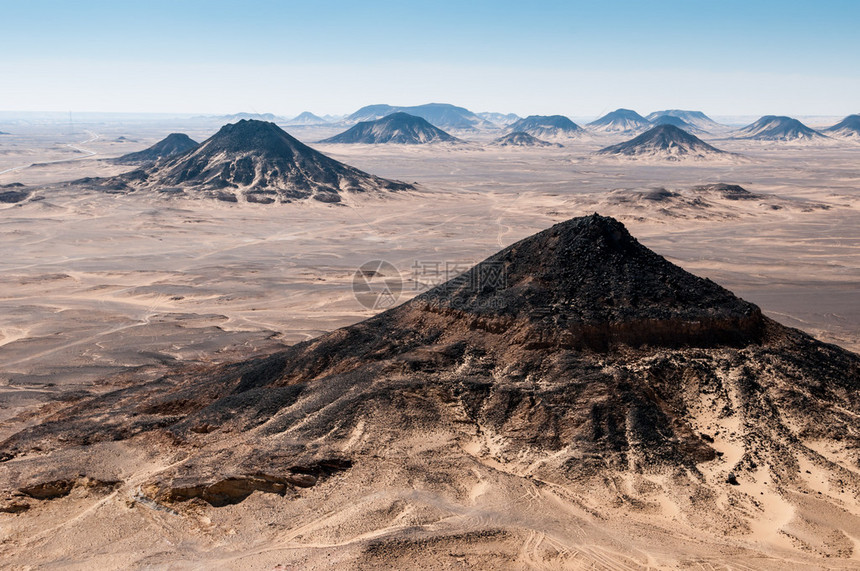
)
(590, 274)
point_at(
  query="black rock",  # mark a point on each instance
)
(728, 191)
(13, 196)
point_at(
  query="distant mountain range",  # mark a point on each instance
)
(501, 119)
(620, 121)
(696, 119)
(307, 118)
(400, 128)
(173, 144)
(628, 121)
(253, 161)
(546, 126)
(665, 142)
(442, 115)
(848, 128)
(240, 116)
(521, 139)
(778, 128)
(675, 122)
(450, 117)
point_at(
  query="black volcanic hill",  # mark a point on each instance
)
(620, 121)
(778, 128)
(252, 160)
(173, 144)
(571, 360)
(441, 115)
(665, 142)
(848, 128)
(602, 288)
(695, 118)
(546, 126)
(400, 128)
(521, 139)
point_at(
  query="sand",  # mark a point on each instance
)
(100, 291)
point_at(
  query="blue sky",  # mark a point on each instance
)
(577, 58)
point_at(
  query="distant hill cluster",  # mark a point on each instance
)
(254, 160)
(546, 126)
(444, 122)
(247, 161)
(442, 115)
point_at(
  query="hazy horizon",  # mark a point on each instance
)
(581, 60)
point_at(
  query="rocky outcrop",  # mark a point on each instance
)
(224, 491)
(575, 366)
(728, 191)
(13, 193)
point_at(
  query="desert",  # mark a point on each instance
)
(330, 285)
(190, 283)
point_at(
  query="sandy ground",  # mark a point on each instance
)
(98, 287)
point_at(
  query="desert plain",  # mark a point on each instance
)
(102, 291)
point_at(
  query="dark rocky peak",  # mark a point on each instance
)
(589, 281)
(251, 135)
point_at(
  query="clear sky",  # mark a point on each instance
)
(725, 57)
